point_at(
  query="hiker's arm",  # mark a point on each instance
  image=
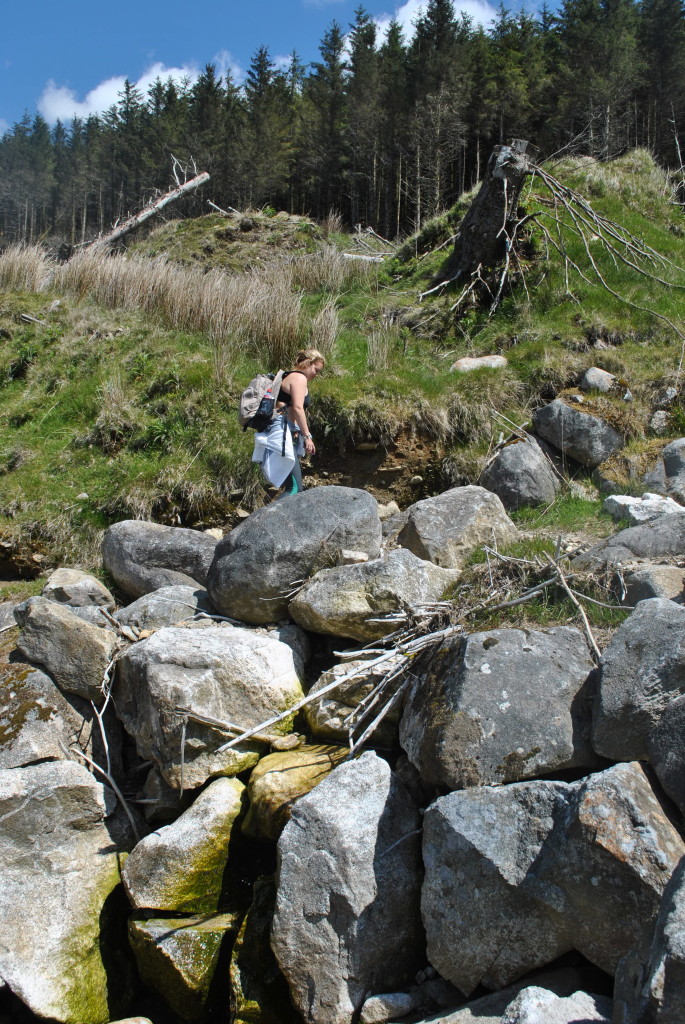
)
(298, 391)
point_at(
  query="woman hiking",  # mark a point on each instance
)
(282, 445)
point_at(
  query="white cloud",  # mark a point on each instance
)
(224, 62)
(59, 102)
(4, 125)
(480, 12)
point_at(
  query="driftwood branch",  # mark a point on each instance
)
(149, 211)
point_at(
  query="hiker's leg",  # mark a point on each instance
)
(293, 482)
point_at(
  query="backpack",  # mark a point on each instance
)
(258, 401)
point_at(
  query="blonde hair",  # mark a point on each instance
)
(307, 356)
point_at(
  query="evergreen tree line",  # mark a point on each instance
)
(386, 131)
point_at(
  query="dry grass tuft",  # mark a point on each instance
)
(323, 333)
(25, 268)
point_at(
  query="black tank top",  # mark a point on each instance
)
(285, 398)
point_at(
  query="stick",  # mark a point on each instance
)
(586, 625)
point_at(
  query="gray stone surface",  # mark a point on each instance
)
(595, 379)
(535, 1005)
(38, 723)
(642, 670)
(73, 652)
(640, 583)
(220, 671)
(347, 601)
(660, 537)
(165, 607)
(326, 717)
(381, 1008)
(259, 563)
(7, 618)
(520, 475)
(500, 706)
(666, 750)
(178, 957)
(577, 433)
(146, 556)
(673, 457)
(347, 918)
(650, 983)
(447, 528)
(59, 866)
(180, 867)
(77, 589)
(518, 875)
(639, 510)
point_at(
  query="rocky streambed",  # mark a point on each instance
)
(504, 844)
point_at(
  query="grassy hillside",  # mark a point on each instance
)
(119, 375)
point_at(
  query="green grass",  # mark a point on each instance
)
(131, 412)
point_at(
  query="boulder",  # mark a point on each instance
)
(223, 672)
(636, 584)
(520, 474)
(535, 1005)
(655, 539)
(259, 993)
(326, 717)
(293, 637)
(595, 379)
(7, 619)
(348, 600)
(518, 875)
(59, 869)
(77, 589)
(468, 363)
(180, 867)
(578, 433)
(279, 780)
(641, 673)
(73, 652)
(142, 557)
(349, 875)
(164, 607)
(666, 751)
(258, 565)
(473, 715)
(650, 983)
(178, 957)
(38, 723)
(673, 457)
(382, 1008)
(447, 528)
(639, 510)
(162, 803)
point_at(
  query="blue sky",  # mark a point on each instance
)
(72, 57)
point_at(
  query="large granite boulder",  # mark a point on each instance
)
(142, 557)
(500, 706)
(350, 599)
(666, 751)
(576, 432)
(77, 589)
(327, 716)
(655, 539)
(74, 653)
(180, 867)
(59, 869)
(633, 584)
(447, 528)
(280, 779)
(38, 723)
(650, 982)
(260, 563)
(521, 474)
(639, 510)
(222, 672)
(642, 671)
(165, 607)
(178, 957)
(518, 875)
(347, 920)
(673, 457)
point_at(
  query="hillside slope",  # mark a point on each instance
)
(119, 379)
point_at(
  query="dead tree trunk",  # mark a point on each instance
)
(149, 211)
(482, 238)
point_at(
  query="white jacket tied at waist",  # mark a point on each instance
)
(276, 450)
